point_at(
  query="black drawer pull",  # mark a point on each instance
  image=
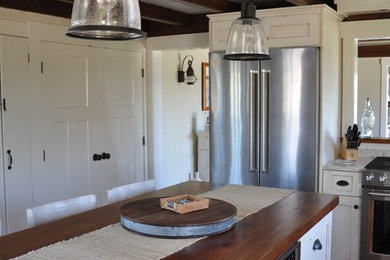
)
(9, 160)
(342, 183)
(317, 245)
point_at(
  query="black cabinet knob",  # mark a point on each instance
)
(317, 245)
(355, 206)
(106, 156)
(96, 157)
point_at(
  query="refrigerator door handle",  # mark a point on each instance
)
(264, 132)
(253, 122)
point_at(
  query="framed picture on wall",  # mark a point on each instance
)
(205, 86)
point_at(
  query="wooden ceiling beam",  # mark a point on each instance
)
(374, 51)
(49, 7)
(199, 24)
(305, 2)
(156, 13)
(368, 16)
(218, 6)
(163, 15)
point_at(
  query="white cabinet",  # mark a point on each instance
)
(316, 243)
(346, 216)
(204, 155)
(15, 117)
(284, 27)
(346, 229)
(92, 104)
(346, 183)
(62, 101)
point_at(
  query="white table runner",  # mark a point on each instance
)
(115, 242)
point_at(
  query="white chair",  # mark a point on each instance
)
(130, 190)
(60, 209)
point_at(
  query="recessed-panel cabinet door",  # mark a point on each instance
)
(120, 122)
(69, 112)
(16, 132)
(346, 229)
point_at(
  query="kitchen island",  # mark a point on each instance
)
(265, 234)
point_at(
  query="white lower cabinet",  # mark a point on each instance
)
(346, 216)
(346, 229)
(316, 243)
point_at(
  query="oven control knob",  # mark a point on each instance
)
(369, 177)
(383, 178)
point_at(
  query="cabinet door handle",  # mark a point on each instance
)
(317, 245)
(342, 183)
(9, 160)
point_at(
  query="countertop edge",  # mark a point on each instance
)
(255, 231)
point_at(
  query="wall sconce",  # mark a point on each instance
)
(189, 75)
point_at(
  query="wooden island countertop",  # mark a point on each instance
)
(265, 234)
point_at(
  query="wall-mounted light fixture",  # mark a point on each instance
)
(247, 39)
(189, 75)
(106, 20)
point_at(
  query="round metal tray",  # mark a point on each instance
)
(148, 218)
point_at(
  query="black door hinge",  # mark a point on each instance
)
(42, 67)
(143, 72)
(4, 105)
(28, 58)
(143, 140)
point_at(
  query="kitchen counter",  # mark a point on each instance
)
(347, 165)
(265, 234)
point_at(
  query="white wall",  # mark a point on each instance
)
(182, 115)
(169, 136)
(369, 86)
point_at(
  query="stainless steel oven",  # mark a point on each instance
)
(375, 225)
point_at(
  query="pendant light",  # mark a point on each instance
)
(247, 39)
(106, 20)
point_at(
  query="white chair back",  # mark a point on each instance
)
(60, 209)
(130, 190)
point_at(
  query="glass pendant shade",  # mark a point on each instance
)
(247, 39)
(190, 75)
(106, 20)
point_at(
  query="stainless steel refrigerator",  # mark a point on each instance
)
(264, 119)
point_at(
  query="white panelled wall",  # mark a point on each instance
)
(182, 115)
(63, 101)
(174, 109)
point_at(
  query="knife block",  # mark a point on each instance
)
(348, 154)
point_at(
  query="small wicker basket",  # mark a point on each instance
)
(183, 204)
